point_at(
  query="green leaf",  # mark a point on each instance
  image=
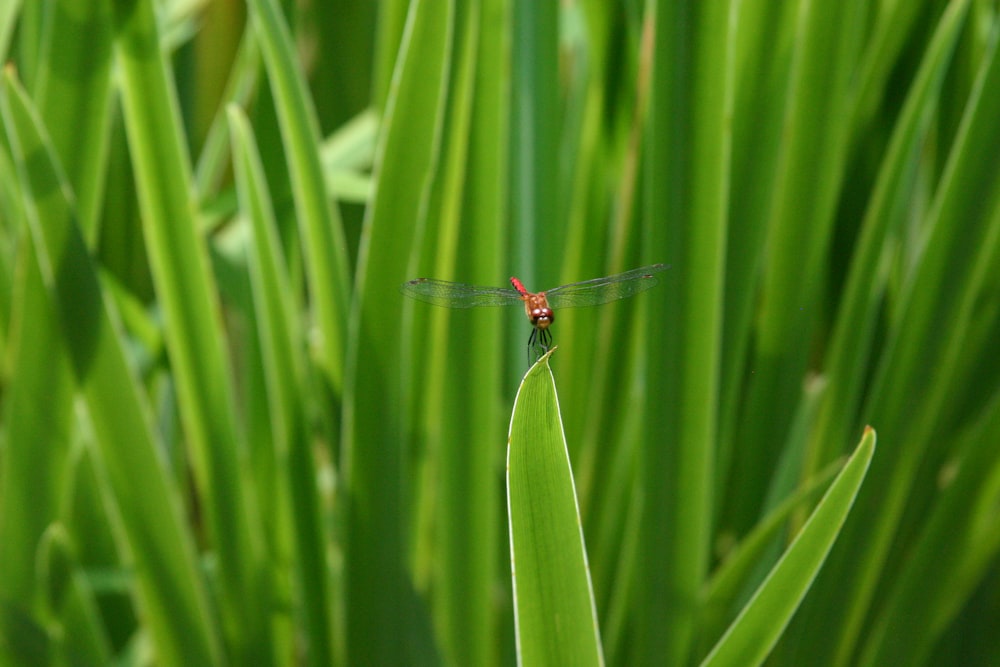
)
(377, 586)
(686, 178)
(731, 577)
(554, 602)
(321, 232)
(755, 631)
(73, 94)
(168, 586)
(194, 333)
(284, 372)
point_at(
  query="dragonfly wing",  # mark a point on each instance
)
(457, 295)
(604, 290)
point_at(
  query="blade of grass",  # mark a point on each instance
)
(73, 93)
(534, 140)
(37, 418)
(763, 50)
(8, 19)
(756, 630)
(959, 542)
(688, 188)
(243, 82)
(284, 370)
(555, 617)
(194, 333)
(722, 591)
(168, 587)
(320, 229)
(854, 326)
(810, 172)
(467, 494)
(378, 590)
(82, 637)
(917, 370)
(458, 531)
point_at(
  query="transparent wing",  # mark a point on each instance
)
(604, 290)
(458, 295)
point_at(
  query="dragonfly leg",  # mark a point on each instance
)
(532, 341)
(538, 343)
(545, 339)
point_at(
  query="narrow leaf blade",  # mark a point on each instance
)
(555, 618)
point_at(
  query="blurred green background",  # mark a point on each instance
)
(228, 439)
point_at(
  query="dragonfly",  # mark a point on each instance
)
(538, 306)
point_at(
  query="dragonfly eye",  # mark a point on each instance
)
(542, 317)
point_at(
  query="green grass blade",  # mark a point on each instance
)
(37, 419)
(73, 94)
(688, 199)
(762, 53)
(168, 586)
(854, 328)
(379, 592)
(810, 168)
(459, 494)
(281, 349)
(322, 236)
(8, 16)
(71, 601)
(959, 542)
(458, 535)
(918, 369)
(554, 602)
(731, 577)
(755, 631)
(243, 83)
(194, 333)
(534, 140)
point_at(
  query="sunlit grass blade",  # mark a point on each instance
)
(457, 500)
(376, 466)
(723, 589)
(854, 327)
(321, 232)
(8, 16)
(82, 636)
(554, 610)
(687, 149)
(73, 94)
(167, 581)
(919, 370)
(33, 468)
(534, 135)
(284, 372)
(243, 83)
(763, 47)
(185, 289)
(809, 175)
(755, 631)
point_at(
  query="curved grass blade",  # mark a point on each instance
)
(322, 235)
(186, 290)
(756, 630)
(555, 616)
(284, 374)
(167, 581)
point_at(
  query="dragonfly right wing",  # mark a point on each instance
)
(605, 290)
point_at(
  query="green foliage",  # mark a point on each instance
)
(226, 437)
(554, 602)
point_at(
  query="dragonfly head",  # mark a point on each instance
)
(538, 311)
(541, 318)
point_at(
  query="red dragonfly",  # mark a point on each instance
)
(538, 306)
